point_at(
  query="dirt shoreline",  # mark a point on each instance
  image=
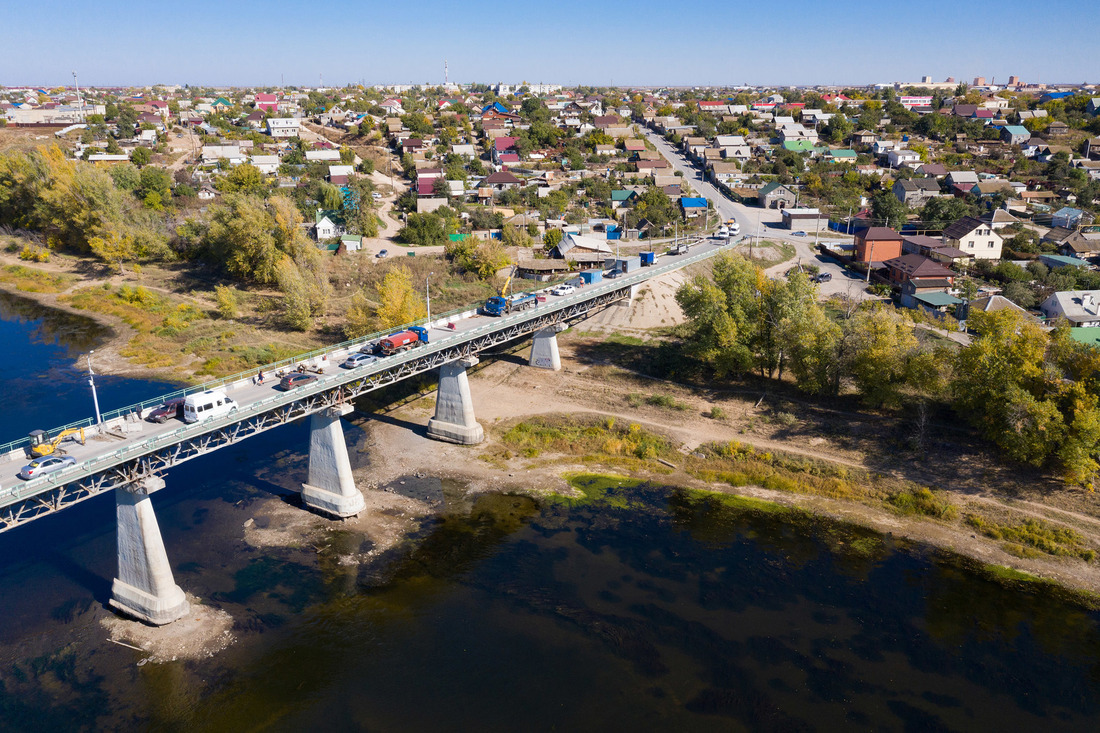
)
(507, 390)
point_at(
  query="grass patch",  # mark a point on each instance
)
(735, 501)
(922, 502)
(1031, 537)
(600, 488)
(636, 399)
(736, 464)
(594, 438)
(30, 280)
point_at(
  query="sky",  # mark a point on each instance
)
(568, 42)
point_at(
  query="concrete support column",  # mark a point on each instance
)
(454, 409)
(544, 349)
(330, 487)
(144, 588)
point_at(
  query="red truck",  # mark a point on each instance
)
(403, 340)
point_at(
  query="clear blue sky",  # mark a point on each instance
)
(568, 42)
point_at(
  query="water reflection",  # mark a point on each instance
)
(75, 334)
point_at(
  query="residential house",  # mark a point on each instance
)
(998, 219)
(924, 283)
(327, 225)
(1056, 128)
(934, 170)
(724, 172)
(962, 178)
(232, 154)
(267, 103)
(1067, 217)
(863, 137)
(623, 198)
(975, 237)
(935, 249)
(1080, 245)
(282, 127)
(912, 266)
(1055, 262)
(776, 196)
(501, 181)
(877, 244)
(1015, 134)
(267, 164)
(916, 192)
(255, 120)
(322, 155)
(1080, 307)
(1092, 148)
(841, 155)
(994, 303)
(338, 175)
(692, 207)
(897, 158)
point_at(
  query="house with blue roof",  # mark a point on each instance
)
(1015, 134)
(495, 107)
(1067, 217)
(692, 207)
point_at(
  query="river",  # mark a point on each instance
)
(646, 608)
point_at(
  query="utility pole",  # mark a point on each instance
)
(79, 101)
(870, 259)
(91, 381)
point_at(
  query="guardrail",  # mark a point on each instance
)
(624, 280)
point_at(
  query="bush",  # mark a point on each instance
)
(227, 301)
(922, 502)
(716, 413)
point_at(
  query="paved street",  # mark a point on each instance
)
(763, 223)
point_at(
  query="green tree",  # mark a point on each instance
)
(877, 347)
(244, 178)
(423, 229)
(551, 238)
(887, 211)
(141, 157)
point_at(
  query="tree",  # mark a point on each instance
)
(360, 318)
(399, 302)
(424, 230)
(552, 238)
(944, 210)
(887, 211)
(113, 246)
(241, 238)
(813, 343)
(513, 236)
(244, 178)
(877, 346)
(154, 180)
(296, 306)
(226, 299)
(141, 157)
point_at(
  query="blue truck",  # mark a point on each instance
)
(499, 305)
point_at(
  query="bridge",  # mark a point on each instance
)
(127, 455)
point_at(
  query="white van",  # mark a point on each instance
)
(208, 404)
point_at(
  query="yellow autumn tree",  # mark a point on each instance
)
(398, 301)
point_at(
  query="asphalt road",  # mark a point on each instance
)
(247, 394)
(763, 224)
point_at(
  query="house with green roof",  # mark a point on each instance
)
(221, 104)
(623, 197)
(842, 155)
(776, 196)
(328, 224)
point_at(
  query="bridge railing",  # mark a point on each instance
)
(622, 281)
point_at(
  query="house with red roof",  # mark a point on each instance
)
(267, 103)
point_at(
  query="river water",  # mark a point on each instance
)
(645, 608)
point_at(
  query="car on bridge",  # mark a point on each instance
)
(296, 379)
(563, 289)
(354, 361)
(43, 466)
(171, 408)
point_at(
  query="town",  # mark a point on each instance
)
(579, 367)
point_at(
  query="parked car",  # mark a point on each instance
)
(823, 277)
(296, 379)
(375, 195)
(357, 360)
(207, 405)
(563, 289)
(171, 408)
(48, 464)
(799, 234)
(383, 253)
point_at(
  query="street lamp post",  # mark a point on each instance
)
(91, 382)
(428, 300)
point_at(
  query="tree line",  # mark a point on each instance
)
(1033, 395)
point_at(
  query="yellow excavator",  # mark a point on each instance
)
(43, 445)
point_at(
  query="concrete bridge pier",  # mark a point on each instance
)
(144, 588)
(544, 349)
(330, 487)
(454, 408)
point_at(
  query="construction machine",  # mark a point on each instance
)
(43, 445)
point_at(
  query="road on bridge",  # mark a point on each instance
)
(247, 394)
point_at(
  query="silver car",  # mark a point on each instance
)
(357, 360)
(46, 464)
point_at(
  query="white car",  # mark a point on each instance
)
(376, 196)
(357, 360)
(563, 289)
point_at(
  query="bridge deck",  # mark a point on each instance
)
(110, 458)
